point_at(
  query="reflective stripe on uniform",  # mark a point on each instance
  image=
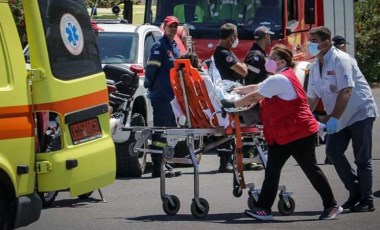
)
(253, 69)
(224, 150)
(159, 144)
(153, 62)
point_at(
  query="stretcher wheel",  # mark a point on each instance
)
(197, 212)
(284, 209)
(252, 203)
(168, 152)
(237, 191)
(131, 150)
(171, 209)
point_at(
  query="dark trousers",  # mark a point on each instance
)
(360, 133)
(303, 151)
(163, 116)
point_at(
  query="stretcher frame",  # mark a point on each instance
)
(180, 81)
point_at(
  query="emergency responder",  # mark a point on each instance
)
(255, 60)
(230, 68)
(157, 81)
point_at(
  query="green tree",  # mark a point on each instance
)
(18, 14)
(367, 34)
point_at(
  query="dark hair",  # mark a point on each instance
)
(322, 32)
(284, 53)
(226, 30)
(193, 59)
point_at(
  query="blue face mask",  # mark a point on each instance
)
(313, 48)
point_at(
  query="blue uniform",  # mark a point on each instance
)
(157, 76)
(157, 81)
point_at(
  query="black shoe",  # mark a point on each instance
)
(226, 168)
(170, 174)
(328, 161)
(351, 202)
(363, 206)
(259, 214)
(156, 173)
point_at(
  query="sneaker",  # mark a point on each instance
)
(331, 213)
(351, 202)
(259, 214)
(253, 166)
(328, 161)
(257, 159)
(227, 168)
(363, 206)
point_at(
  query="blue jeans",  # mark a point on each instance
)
(361, 180)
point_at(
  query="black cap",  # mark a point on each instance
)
(261, 31)
(339, 40)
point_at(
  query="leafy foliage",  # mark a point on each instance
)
(367, 33)
(18, 14)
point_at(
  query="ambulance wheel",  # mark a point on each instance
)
(126, 164)
(7, 211)
(171, 209)
(197, 212)
(252, 203)
(47, 198)
(237, 191)
(284, 209)
(85, 196)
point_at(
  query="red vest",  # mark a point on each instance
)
(287, 121)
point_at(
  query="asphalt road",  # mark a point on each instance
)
(136, 203)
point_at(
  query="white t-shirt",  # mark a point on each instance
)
(277, 85)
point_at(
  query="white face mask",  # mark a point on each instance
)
(235, 44)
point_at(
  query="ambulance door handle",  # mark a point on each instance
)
(72, 163)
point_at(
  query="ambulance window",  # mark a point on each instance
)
(292, 12)
(70, 40)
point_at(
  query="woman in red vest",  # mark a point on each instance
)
(289, 129)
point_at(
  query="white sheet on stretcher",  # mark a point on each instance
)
(216, 93)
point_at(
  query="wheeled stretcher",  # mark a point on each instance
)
(200, 118)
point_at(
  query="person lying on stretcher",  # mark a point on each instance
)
(219, 89)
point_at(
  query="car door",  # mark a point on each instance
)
(67, 80)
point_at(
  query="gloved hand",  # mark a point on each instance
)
(322, 130)
(332, 125)
(228, 103)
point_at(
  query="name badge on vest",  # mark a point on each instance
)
(331, 73)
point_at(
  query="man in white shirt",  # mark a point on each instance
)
(351, 110)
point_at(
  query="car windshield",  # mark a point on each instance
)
(117, 48)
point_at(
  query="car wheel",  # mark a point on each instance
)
(128, 165)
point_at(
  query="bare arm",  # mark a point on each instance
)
(341, 102)
(312, 103)
(240, 68)
(244, 90)
(249, 99)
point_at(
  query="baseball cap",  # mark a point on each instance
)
(339, 40)
(170, 20)
(261, 31)
(96, 27)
